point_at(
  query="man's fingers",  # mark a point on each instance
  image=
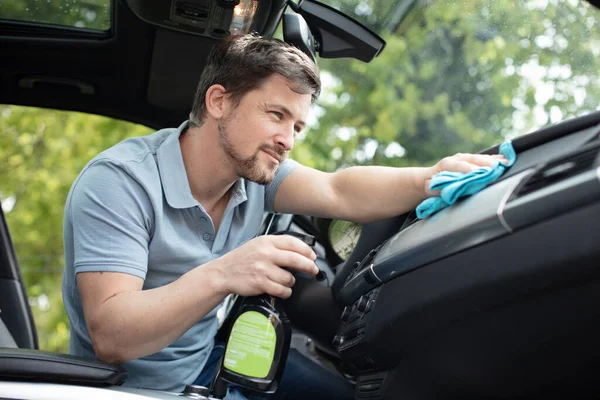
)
(281, 276)
(277, 290)
(482, 160)
(455, 164)
(290, 243)
(465, 163)
(501, 158)
(294, 260)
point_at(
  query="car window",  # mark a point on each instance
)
(89, 14)
(455, 76)
(41, 153)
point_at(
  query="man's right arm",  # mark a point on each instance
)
(126, 323)
(112, 221)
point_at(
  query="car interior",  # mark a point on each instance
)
(494, 297)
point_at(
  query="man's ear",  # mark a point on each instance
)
(216, 101)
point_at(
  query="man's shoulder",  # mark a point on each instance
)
(136, 149)
(129, 162)
(136, 156)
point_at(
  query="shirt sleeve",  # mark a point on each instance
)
(271, 190)
(112, 219)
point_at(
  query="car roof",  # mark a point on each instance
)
(138, 72)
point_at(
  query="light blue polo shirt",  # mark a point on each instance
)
(131, 210)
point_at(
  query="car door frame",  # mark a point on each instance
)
(15, 311)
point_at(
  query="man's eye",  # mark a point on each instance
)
(277, 114)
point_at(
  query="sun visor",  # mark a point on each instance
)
(176, 66)
(210, 18)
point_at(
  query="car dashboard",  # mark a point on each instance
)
(492, 297)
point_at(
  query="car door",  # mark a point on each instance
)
(16, 319)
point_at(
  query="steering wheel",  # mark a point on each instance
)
(371, 236)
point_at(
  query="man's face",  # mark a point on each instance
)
(258, 134)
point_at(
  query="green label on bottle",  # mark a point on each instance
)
(251, 345)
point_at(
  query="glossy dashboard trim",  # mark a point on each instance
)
(470, 222)
(552, 200)
(374, 274)
(504, 201)
(490, 214)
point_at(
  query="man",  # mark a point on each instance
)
(160, 229)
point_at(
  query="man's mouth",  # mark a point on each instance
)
(273, 155)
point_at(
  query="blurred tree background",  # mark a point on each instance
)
(41, 153)
(455, 76)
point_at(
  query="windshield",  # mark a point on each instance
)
(89, 14)
(456, 76)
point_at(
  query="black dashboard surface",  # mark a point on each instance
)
(544, 182)
(494, 297)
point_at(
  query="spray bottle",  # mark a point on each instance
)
(258, 343)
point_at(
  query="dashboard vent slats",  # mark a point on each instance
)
(561, 169)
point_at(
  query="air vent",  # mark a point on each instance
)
(197, 10)
(369, 388)
(561, 169)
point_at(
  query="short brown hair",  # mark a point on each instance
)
(241, 63)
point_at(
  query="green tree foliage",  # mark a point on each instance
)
(90, 14)
(41, 153)
(455, 76)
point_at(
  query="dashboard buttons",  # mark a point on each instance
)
(354, 271)
(350, 339)
(362, 303)
(337, 340)
(345, 314)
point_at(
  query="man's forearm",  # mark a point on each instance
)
(134, 324)
(370, 193)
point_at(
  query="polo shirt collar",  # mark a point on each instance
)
(174, 177)
(238, 192)
(172, 171)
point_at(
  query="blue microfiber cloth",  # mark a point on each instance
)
(454, 185)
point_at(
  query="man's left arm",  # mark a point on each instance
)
(369, 193)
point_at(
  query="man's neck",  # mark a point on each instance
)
(209, 172)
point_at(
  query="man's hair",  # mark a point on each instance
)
(242, 63)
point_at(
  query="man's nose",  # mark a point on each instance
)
(285, 139)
